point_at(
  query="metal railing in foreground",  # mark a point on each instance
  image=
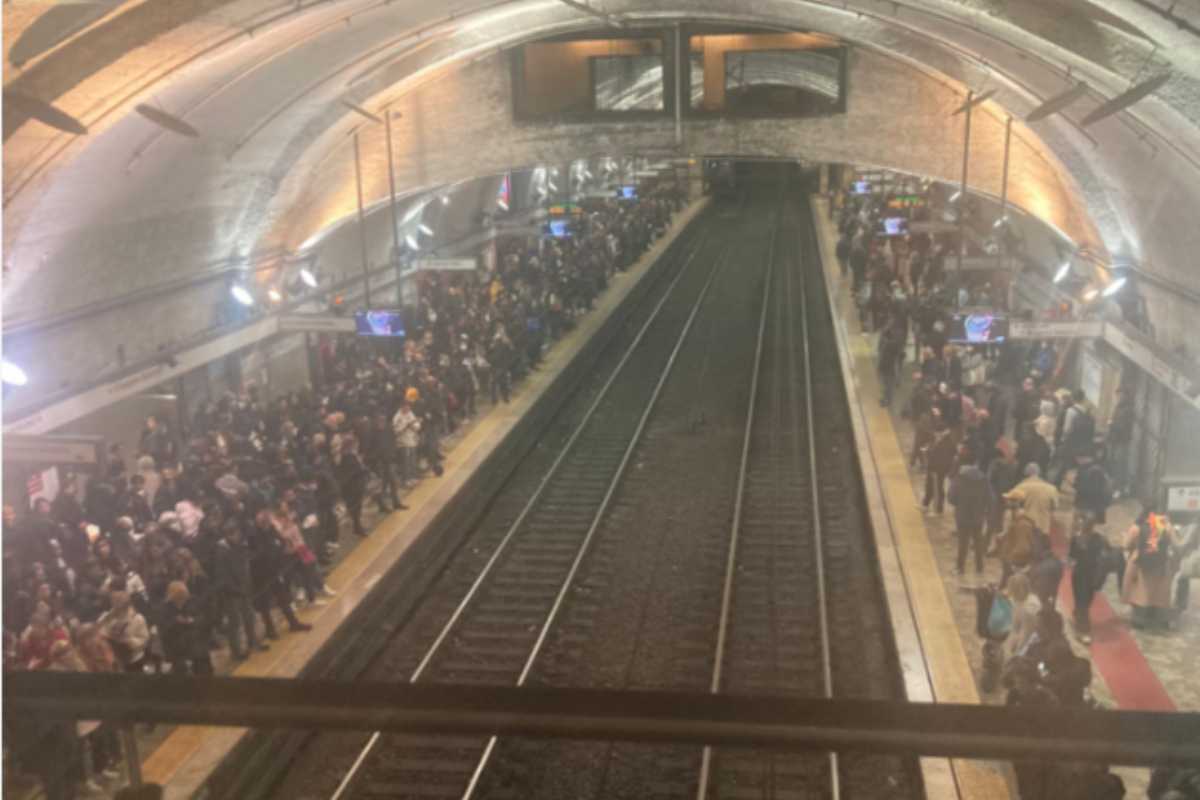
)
(943, 730)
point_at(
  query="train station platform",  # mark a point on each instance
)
(188, 756)
(1132, 669)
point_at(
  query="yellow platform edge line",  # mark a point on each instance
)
(930, 650)
(169, 763)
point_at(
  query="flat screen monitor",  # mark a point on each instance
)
(560, 227)
(978, 327)
(862, 187)
(629, 192)
(378, 323)
(895, 226)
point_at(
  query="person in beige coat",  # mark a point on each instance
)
(1152, 549)
(1038, 498)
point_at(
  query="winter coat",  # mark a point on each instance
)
(1142, 587)
(969, 494)
(1039, 499)
(941, 452)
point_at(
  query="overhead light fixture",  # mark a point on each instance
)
(445, 199)
(1058, 102)
(1000, 223)
(411, 241)
(425, 229)
(242, 295)
(1091, 294)
(1113, 287)
(503, 205)
(954, 198)
(309, 279)
(1063, 272)
(275, 295)
(552, 186)
(11, 374)
(1125, 99)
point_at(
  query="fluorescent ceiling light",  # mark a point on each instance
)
(309, 279)
(411, 241)
(275, 295)
(445, 199)
(1113, 287)
(242, 295)
(11, 374)
(1091, 294)
(425, 229)
(1062, 273)
(503, 205)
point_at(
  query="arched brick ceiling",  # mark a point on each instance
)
(129, 205)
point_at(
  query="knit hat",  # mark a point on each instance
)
(412, 394)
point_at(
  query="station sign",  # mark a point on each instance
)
(1184, 499)
(315, 323)
(445, 264)
(77, 450)
(1055, 329)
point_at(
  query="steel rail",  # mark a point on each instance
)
(739, 496)
(355, 768)
(485, 758)
(818, 543)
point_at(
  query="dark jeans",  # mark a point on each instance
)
(970, 536)
(501, 384)
(1182, 591)
(387, 484)
(354, 506)
(1083, 604)
(275, 592)
(935, 489)
(239, 618)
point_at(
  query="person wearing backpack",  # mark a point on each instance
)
(1078, 436)
(1152, 544)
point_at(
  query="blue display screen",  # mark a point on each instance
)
(378, 323)
(629, 192)
(560, 227)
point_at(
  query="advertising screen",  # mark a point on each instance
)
(895, 226)
(862, 187)
(629, 192)
(978, 327)
(378, 323)
(559, 227)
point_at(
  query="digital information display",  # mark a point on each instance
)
(378, 323)
(559, 228)
(978, 327)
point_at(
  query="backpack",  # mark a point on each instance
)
(1083, 432)
(1000, 617)
(1152, 557)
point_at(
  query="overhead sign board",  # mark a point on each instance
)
(1153, 360)
(318, 323)
(446, 264)
(1036, 329)
(80, 450)
(1183, 499)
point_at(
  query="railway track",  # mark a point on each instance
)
(683, 537)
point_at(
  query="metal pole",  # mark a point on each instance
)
(133, 761)
(962, 197)
(387, 123)
(362, 226)
(1003, 242)
(679, 61)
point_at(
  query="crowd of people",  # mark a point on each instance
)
(997, 435)
(214, 534)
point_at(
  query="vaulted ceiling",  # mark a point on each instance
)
(264, 83)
